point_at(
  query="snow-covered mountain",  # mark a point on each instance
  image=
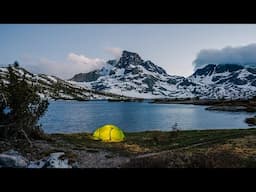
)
(132, 76)
(224, 81)
(56, 88)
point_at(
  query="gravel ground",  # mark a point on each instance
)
(99, 159)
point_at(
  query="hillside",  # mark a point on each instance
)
(56, 88)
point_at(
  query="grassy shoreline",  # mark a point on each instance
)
(155, 141)
(197, 148)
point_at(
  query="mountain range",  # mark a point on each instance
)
(132, 76)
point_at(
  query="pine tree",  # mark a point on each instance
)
(25, 107)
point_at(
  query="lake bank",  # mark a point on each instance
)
(248, 105)
(227, 102)
(205, 148)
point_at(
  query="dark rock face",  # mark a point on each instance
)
(150, 83)
(187, 83)
(216, 78)
(162, 88)
(112, 72)
(222, 81)
(250, 77)
(252, 70)
(172, 81)
(221, 68)
(254, 83)
(153, 68)
(129, 58)
(238, 81)
(86, 77)
(136, 71)
(232, 79)
(133, 71)
(235, 80)
(207, 70)
(99, 87)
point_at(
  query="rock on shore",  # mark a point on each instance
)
(13, 159)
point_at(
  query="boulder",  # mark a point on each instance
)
(13, 159)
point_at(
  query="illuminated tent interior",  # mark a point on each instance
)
(109, 133)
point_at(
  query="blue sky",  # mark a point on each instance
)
(66, 49)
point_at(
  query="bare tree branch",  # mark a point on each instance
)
(26, 136)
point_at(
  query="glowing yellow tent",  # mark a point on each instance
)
(109, 133)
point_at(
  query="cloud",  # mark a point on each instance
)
(88, 64)
(244, 55)
(115, 51)
(74, 64)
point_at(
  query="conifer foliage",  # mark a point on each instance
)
(20, 106)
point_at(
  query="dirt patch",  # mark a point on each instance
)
(101, 159)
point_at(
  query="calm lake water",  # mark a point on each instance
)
(75, 116)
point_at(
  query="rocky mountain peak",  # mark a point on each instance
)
(132, 76)
(129, 58)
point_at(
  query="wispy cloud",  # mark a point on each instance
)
(73, 64)
(244, 55)
(88, 64)
(114, 51)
